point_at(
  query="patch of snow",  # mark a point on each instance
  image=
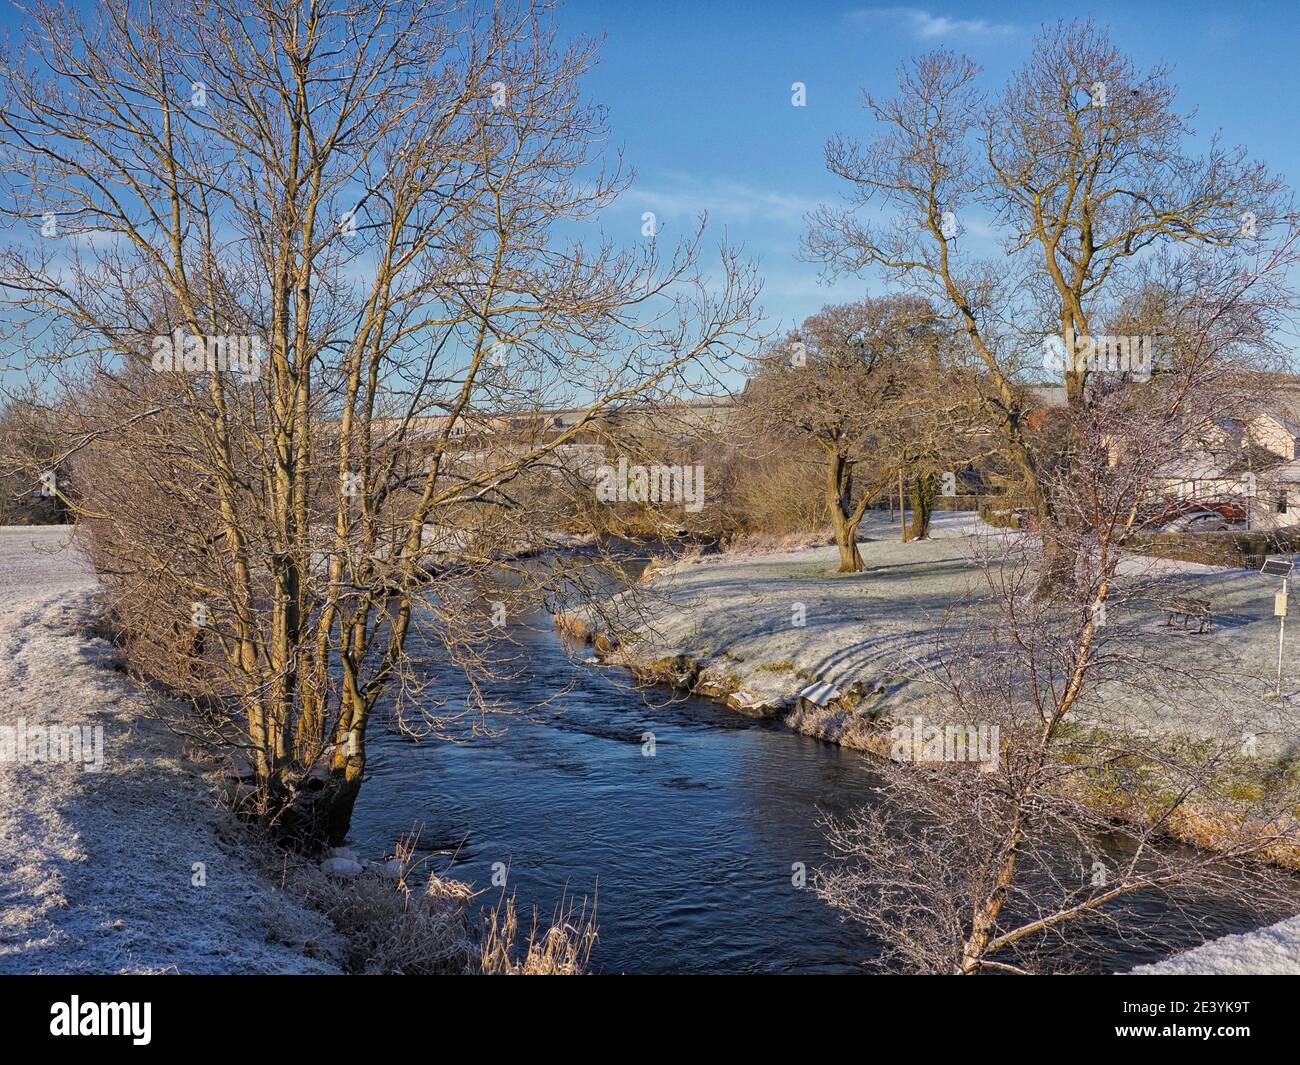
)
(945, 524)
(343, 868)
(820, 694)
(393, 869)
(1163, 567)
(39, 560)
(1271, 951)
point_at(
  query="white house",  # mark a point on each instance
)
(1276, 433)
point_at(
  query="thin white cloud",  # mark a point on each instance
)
(925, 26)
(682, 198)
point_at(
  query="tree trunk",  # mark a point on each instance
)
(1059, 559)
(839, 490)
(902, 508)
(846, 536)
(317, 812)
(336, 815)
(1060, 542)
(925, 490)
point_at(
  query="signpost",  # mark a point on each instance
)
(1279, 567)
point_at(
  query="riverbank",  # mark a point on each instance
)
(121, 866)
(754, 630)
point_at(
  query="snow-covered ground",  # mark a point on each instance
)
(100, 871)
(1271, 951)
(769, 621)
(772, 622)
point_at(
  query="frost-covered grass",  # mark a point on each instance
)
(771, 621)
(39, 560)
(774, 621)
(99, 871)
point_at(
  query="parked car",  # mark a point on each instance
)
(1233, 513)
(1197, 521)
(1161, 514)
(1176, 514)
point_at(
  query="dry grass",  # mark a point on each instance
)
(387, 927)
(572, 626)
(757, 543)
(419, 924)
(564, 949)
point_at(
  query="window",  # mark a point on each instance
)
(1281, 502)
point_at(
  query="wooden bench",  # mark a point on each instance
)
(1189, 609)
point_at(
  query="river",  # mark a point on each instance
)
(692, 850)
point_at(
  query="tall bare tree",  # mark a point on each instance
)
(1082, 167)
(315, 267)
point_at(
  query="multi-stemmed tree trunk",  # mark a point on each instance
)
(366, 196)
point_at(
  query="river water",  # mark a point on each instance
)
(692, 851)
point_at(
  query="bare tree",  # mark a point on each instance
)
(937, 428)
(843, 382)
(1080, 167)
(1070, 739)
(28, 479)
(302, 260)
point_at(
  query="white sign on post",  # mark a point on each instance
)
(1277, 566)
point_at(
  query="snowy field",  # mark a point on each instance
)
(772, 622)
(99, 869)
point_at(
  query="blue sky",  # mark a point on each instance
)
(699, 97)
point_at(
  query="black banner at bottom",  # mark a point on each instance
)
(143, 1014)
